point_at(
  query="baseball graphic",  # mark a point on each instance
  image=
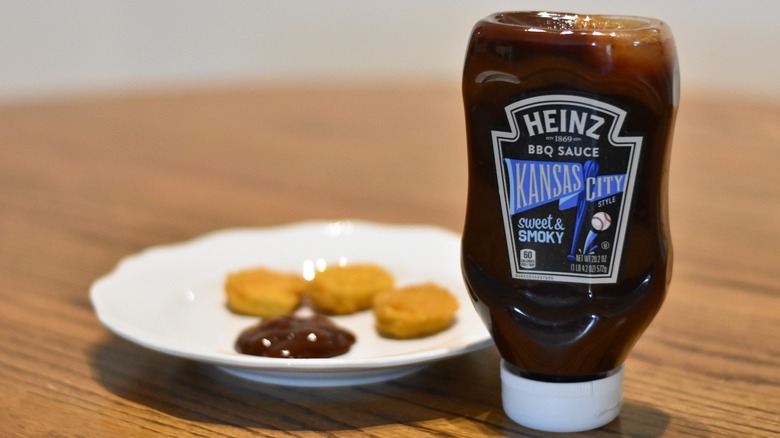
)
(600, 221)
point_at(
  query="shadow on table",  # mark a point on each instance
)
(208, 398)
(204, 394)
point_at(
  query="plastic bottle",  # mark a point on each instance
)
(566, 245)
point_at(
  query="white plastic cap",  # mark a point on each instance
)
(561, 407)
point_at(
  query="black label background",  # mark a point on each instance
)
(617, 155)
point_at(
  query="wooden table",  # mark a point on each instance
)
(84, 183)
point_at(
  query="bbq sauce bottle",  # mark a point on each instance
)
(566, 248)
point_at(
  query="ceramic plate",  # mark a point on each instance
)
(170, 298)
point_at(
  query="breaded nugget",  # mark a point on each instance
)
(341, 290)
(414, 311)
(264, 292)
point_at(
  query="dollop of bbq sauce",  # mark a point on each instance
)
(295, 337)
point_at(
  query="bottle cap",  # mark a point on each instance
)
(561, 407)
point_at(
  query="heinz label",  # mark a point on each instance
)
(566, 174)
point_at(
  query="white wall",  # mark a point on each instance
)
(64, 47)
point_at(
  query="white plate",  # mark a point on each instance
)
(170, 298)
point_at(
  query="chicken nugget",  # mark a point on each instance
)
(414, 311)
(264, 292)
(341, 290)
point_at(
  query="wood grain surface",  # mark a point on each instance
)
(84, 183)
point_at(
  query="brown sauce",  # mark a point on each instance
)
(551, 330)
(295, 337)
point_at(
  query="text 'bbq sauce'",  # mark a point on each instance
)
(566, 248)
